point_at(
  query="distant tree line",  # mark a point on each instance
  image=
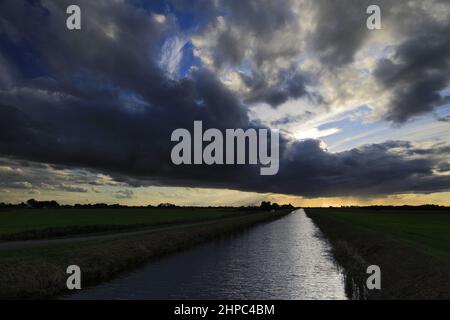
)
(35, 204)
(265, 206)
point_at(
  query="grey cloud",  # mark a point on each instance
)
(20, 174)
(420, 71)
(251, 35)
(69, 188)
(20, 185)
(444, 119)
(261, 17)
(340, 29)
(124, 194)
(229, 49)
(420, 66)
(372, 169)
(339, 32)
(444, 167)
(289, 85)
(76, 116)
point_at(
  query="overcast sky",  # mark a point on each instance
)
(364, 115)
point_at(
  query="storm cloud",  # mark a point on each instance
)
(99, 101)
(419, 67)
(417, 74)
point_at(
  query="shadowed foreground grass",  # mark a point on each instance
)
(412, 249)
(40, 272)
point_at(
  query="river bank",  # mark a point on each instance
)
(285, 259)
(41, 272)
(410, 248)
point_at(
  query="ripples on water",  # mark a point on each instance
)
(284, 259)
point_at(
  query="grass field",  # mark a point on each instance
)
(426, 231)
(412, 248)
(45, 223)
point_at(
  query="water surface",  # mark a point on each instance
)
(283, 259)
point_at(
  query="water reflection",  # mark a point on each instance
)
(284, 259)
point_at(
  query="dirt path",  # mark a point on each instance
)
(13, 245)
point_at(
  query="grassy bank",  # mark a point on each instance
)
(26, 224)
(412, 249)
(40, 272)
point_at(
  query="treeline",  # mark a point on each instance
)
(267, 206)
(35, 204)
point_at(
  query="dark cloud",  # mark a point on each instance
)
(289, 85)
(444, 167)
(444, 119)
(20, 185)
(260, 17)
(341, 29)
(420, 66)
(249, 33)
(373, 169)
(420, 70)
(229, 49)
(68, 188)
(101, 102)
(137, 157)
(20, 174)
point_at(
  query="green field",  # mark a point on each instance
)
(412, 248)
(22, 221)
(426, 231)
